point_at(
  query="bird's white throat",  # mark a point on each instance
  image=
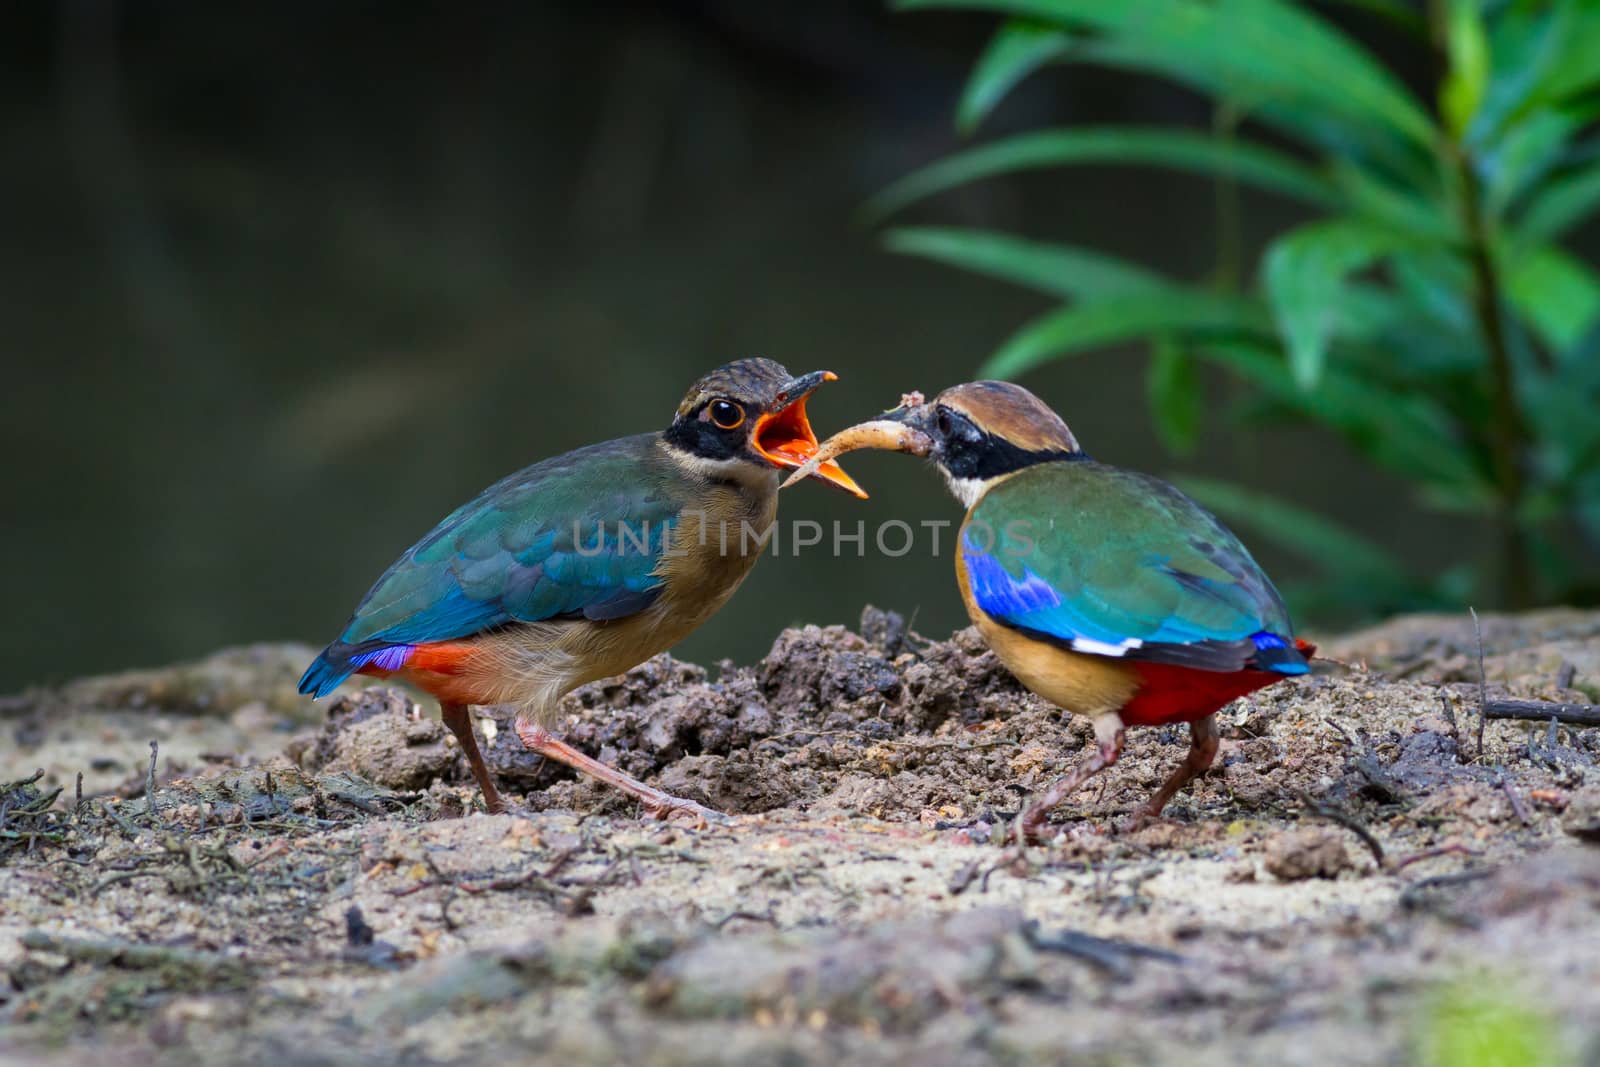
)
(966, 490)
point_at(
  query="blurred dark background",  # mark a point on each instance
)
(283, 284)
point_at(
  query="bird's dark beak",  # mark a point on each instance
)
(784, 437)
(902, 430)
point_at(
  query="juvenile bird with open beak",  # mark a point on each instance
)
(1107, 592)
(586, 565)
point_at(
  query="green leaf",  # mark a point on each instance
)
(1467, 47)
(1525, 154)
(1018, 48)
(1106, 322)
(1255, 50)
(1329, 134)
(1200, 153)
(1312, 537)
(1396, 207)
(1060, 270)
(1557, 293)
(1560, 408)
(1577, 65)
(1531, 45)
(1404, 430)
(1438, 284)
(1561, 205)
(1177, 396)
(1305, 279)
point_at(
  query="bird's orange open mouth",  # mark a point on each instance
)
(898, 430)
(785, 439)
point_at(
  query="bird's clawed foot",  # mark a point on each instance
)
(1108, 732)
(666, 807)
(1033, 825)
(1138, 819)
(657, 805)
(459, 720)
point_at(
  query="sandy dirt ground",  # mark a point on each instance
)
(1358, 881)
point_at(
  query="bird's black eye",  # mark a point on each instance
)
(726, 414)
(943, 423)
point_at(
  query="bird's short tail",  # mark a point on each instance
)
(331, 667)
(340, 660)
(1273, 653)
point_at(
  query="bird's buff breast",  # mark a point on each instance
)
(1084, 684)
(534, 665)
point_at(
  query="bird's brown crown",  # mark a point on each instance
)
(755, 382)
(1011, 413)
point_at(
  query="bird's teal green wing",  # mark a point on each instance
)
(1116, 563)
(577, 536)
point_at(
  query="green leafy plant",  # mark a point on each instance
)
(1426, 313)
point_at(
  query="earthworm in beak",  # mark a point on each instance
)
(895, 432)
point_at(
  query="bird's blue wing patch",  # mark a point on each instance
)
(1119, 564)
(1089, 621)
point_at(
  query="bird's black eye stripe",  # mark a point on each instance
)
(725, 413)
(970, 452)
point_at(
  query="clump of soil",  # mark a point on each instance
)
(310, 886)
(381, 735)
(828, 721)
(1314, 852)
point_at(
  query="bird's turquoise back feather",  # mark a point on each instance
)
(579, 535)
(1118, 563)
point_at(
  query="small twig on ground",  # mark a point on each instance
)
(1539, 711)
(539, 880)
(121, 876)
(1454, 848)
(1551, 754)
(636, 869)
(1483, 682)
(1565, 673)
(1334, 815)
(749, 916)
(1109, 955)
(560, 860)
(1341, 731)
(357, 802)
(963, 878)
(582, 901)
(150, 782)
(77, 807)
(110, 811)
(1367, 764)
(1511, 795)
(451, 886)
(1415, 896)
(1450, 717)
(1362, 666)
(1014, 859)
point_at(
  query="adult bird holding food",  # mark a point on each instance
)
(1107, 592)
